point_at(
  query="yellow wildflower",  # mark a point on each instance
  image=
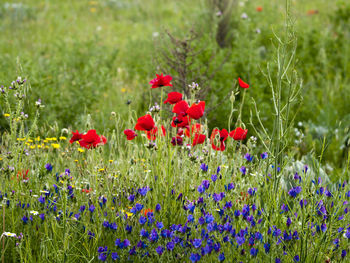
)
(81, 150)
(32, 147)
(55, 145)
(62, 138)
(93, 10)
(37, 139)
(123, 90)
(6, 115)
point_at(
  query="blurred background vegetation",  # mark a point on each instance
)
(92, 57)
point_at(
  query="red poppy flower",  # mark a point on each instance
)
(223, 136)
(259, 8)
(181, 107)
(87, 191)
(146, 211)
(177, 141)
(23, 175)
(198, 139)
(196, 111)
(173, 97)
(312, 12)
(242, 84)
(238, 134)
(91, 140)
(196, 128)
(130, 134)
(152, 134)
(180, 132)
(145, 123)
(180, 121)
(76, 136)
(161, 81)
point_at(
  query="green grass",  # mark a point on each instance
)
(91, 62)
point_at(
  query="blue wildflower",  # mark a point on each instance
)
(190, 218)
(115, 256)
(102, 257)
(254, 251)
(201, 189)
(195, 257)
(25, 219)
(160, 250)
(92, 208)
(144, 233)
(240, 240)
(206, 184)
(143, 191)
(267, 247)
(142, 220)
(170, 245)
(102, 249)
(243, 170)
(91, 235)
(197, 243)
(138, 207)
(293, 192)
(41, 199)
(252, 191)
(204, 167)
(159, 225)
(248, 157)
(128, 228)
(131, 198)
(222, 257)
(113, 226)
(154, 236)
(48, 167)
(42, 217)
(264, 155)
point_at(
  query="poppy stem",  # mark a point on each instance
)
(3, 230)
(239, 119)
(161, 102)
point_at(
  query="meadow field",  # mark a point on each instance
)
(174, 131)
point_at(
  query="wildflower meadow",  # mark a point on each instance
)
(222, 137)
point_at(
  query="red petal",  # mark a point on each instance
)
(196, 111)
(181, 107)
(173, 97)
(239, 133)
(145, 123)
(198, 139)
(242, 84)
(130, 134)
